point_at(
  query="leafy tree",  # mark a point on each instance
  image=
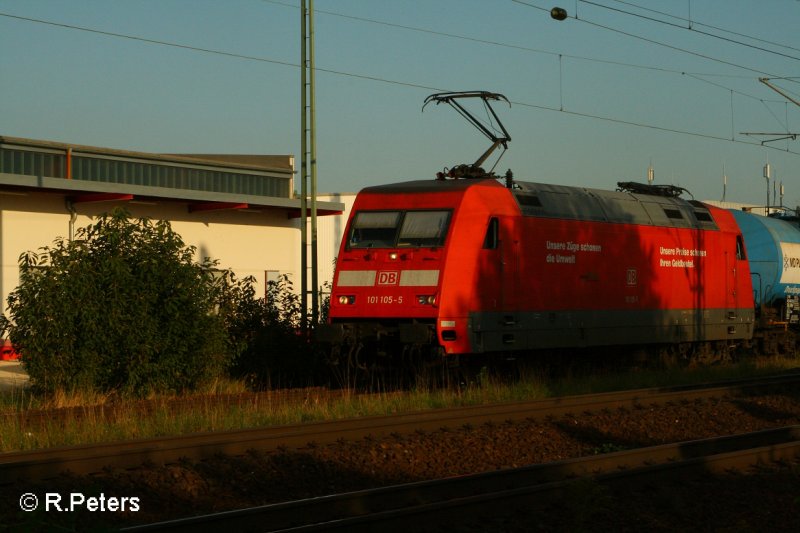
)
(122, 308)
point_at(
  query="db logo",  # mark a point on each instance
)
(388, 277)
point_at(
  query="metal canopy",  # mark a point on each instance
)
(75, 187)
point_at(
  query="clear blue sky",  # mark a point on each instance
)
(577, 87)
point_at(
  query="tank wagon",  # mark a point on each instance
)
(773, 246)
(467, 266)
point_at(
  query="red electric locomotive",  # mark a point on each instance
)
(472, 265)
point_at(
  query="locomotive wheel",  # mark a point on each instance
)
(668, 356)
(711, 353)
(345, 365)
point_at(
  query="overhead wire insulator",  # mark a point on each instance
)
(558, 13)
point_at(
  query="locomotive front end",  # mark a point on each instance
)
(388, 277)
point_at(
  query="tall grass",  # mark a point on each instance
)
(88, 426)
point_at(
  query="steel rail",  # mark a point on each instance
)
(87, 459)
(402, 506)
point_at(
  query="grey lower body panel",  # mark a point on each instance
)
(531, 330)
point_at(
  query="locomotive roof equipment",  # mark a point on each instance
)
(670, 191)
(498, 138)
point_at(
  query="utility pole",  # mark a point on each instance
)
(724, 183)
(308, 165)
(767, 175)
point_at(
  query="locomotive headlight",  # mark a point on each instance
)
(426, 299)
(347, 300)
(393, 256)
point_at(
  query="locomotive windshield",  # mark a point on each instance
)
(398, 229)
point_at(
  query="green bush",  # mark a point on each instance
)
(274, 350)
(122, 308)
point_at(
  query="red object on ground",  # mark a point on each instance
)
(7, 352)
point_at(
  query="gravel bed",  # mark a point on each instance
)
(766, 499)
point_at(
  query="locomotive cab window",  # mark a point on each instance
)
(424, 228)
(391, 229)
(374, 229)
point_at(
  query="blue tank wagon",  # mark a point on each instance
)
(773, 249)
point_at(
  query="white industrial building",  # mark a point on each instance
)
(237, 209)
(329, 236)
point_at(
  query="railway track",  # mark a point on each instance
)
(454, 500)
(84, 460)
